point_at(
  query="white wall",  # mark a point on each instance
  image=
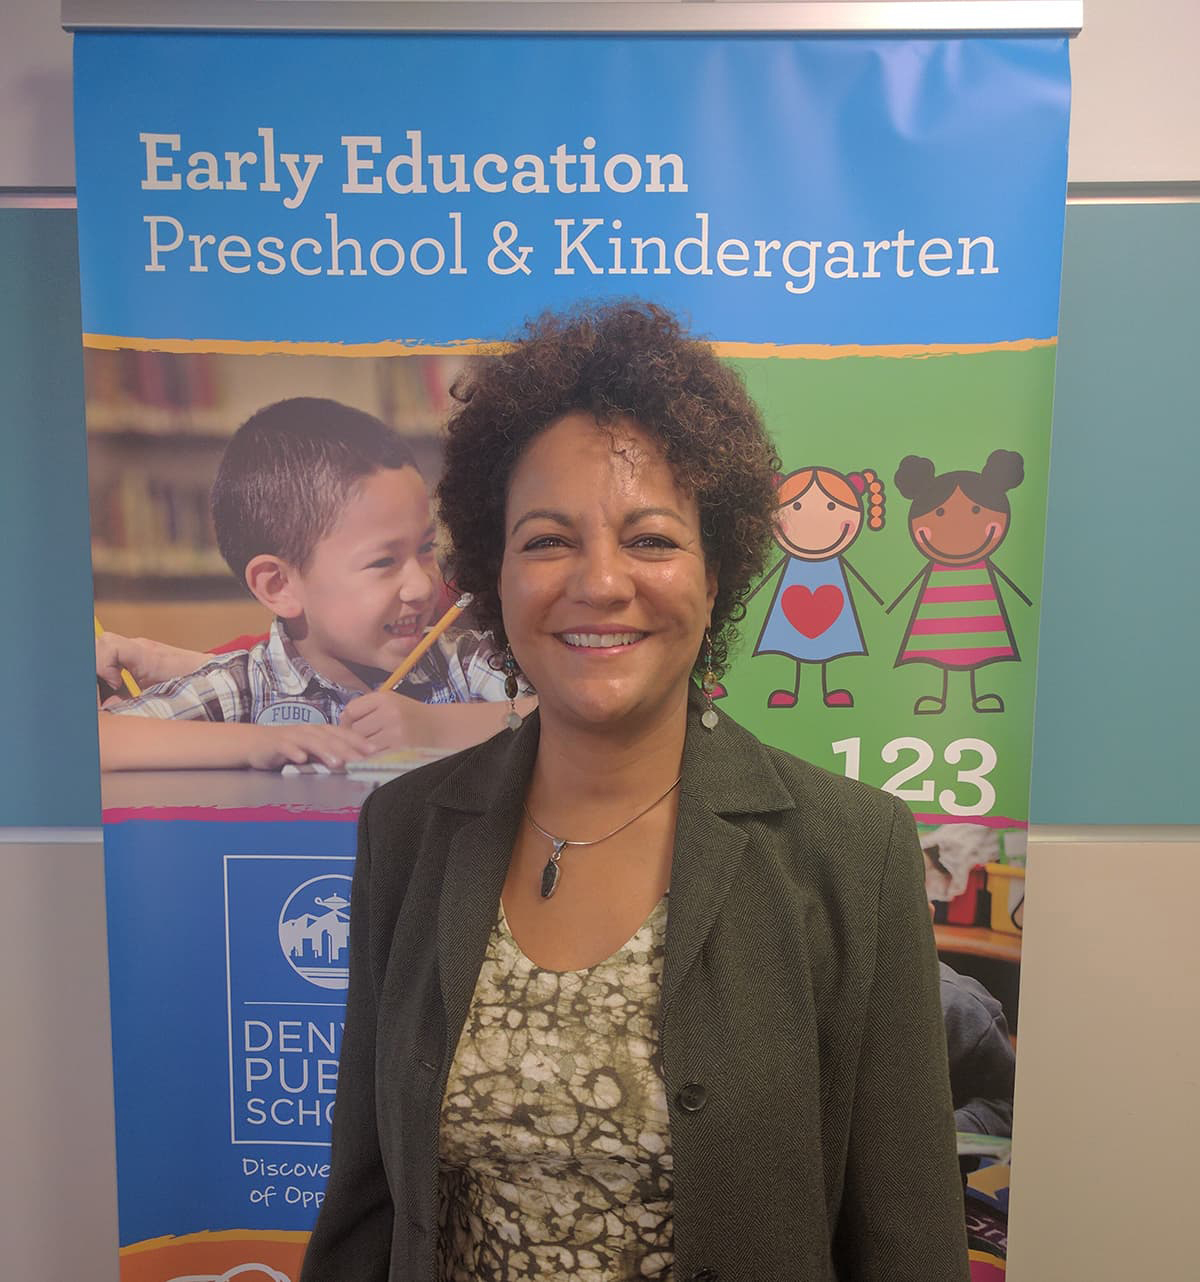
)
(1135, 108)
(58, 1191)
(1108, 1093)
(36, 145)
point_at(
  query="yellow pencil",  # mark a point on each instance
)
(126, 676)
(417, 653)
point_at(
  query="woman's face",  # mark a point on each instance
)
(959, 530)
(603, 586)
(815, 527)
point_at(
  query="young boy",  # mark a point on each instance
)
(320, 510)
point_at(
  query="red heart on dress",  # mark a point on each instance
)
(812, 613)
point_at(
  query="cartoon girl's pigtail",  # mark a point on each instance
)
(1005, 470)
(914, 475)
(868, 484)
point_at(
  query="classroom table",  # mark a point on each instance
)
(124, 791)
(978, 941)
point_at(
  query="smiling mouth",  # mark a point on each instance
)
(600, 640)
(961, 556)
(822, 551)
(405, 628)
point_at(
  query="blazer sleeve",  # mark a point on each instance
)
(901, 1218)
(353, 1234)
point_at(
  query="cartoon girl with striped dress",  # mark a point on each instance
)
(959, 621)
(813, 618)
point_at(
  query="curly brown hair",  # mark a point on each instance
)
(629, 359)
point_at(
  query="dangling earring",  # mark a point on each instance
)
(511, 689)
(708, 683)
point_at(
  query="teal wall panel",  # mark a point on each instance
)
(1118, 696)
(48, 755)
(1118, 701)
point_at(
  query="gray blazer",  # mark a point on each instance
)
(800, 1028)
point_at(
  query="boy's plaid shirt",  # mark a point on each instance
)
(246, 685)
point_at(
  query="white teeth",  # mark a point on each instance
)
(598, 640)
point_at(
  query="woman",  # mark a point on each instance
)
(546, 1074)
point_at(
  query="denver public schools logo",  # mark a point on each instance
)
(314, 930)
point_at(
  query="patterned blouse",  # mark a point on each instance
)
(555, 1156)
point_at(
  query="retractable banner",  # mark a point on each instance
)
(869, 230)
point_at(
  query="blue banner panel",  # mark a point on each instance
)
(432, 189)
(831, 212)
(227, 958)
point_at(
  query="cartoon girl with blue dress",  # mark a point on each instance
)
(813, 618)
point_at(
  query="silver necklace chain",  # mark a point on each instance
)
(549, 878)
(595, 841)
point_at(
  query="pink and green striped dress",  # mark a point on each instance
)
(959, 620)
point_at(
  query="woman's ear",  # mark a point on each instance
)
(276, 584)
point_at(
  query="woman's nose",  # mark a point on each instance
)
(601, 576)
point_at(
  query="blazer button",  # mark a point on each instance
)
(692, 1098)
(704, 1275)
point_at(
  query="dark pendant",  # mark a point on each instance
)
(550, 872)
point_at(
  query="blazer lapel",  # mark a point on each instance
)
(726, 772)
(492, 783)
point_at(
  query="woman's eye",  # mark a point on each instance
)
(426, 549)
(384, 563)
(543, 541)
(796, 506)
(653, 541)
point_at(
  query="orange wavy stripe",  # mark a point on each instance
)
(481, 347)
(277, 1253)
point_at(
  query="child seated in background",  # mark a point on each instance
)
(982, 1061)
(320, 510)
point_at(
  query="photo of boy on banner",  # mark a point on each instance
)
(321, 511)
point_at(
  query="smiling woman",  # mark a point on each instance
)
(578, 1080)
(606, 596)
(622, 365)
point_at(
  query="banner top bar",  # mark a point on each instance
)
(809, 16)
